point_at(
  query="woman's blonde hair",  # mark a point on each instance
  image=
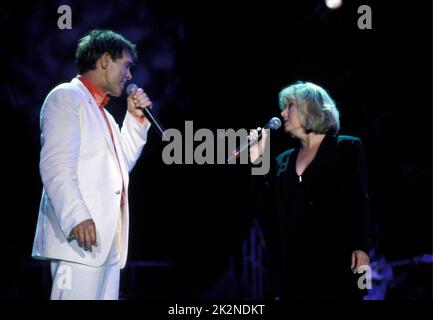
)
(317, 111)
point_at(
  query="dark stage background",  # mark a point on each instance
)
(222, 65)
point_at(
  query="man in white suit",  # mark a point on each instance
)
(84, 165)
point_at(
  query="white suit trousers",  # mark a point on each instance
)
(74, 281)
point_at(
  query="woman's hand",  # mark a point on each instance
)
(359, 258)
(257, 149)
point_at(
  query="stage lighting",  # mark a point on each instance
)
(333, 4)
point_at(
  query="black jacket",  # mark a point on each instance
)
(316, 222)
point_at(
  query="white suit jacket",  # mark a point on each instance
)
(81, 176)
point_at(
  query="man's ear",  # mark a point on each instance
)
(105, 60)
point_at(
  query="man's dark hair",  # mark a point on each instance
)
(92, 46)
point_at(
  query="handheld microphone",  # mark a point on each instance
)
(146, 110)
(273, 124)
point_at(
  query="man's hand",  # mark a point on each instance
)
(359, 258)
(137, 100)
(85, 234)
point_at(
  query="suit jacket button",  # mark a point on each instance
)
(118, 192)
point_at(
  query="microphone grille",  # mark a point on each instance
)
(274, 123)
(132, 87)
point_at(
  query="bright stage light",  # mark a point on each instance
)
(333, 4)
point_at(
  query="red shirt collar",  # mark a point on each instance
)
(101, 98)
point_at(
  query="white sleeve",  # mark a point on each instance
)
(60, 139)
(134, 137)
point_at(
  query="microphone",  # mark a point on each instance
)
(273, 124)
(146, 110)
